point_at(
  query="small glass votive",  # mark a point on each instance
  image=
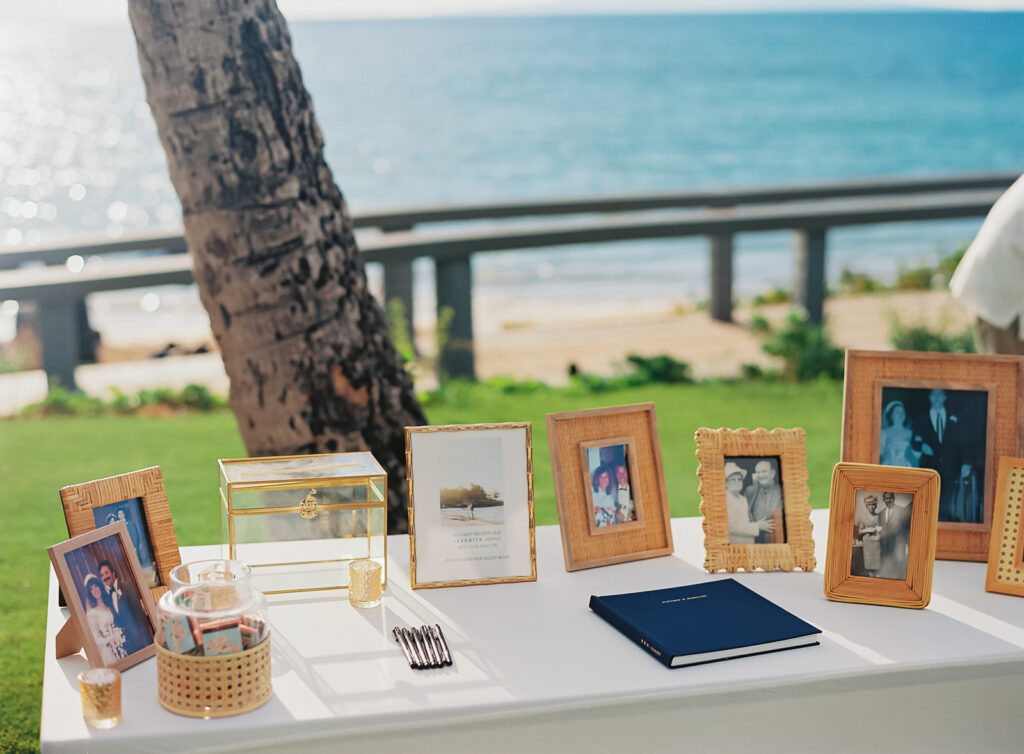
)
(101, 697)
(216, 584)
(364, 588)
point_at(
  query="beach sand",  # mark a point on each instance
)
(540, 345)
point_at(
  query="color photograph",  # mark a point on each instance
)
(131, 512)
(471, 484)
(610, 485)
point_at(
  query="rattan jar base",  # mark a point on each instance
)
(214, 686)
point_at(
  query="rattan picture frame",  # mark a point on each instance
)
(135, 599)
(445, 525)
(571, 434)
(912, 591)
(869, 374)
(145, 485)
(789, 446)
(1005, 573)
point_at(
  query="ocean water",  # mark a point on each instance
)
(467, 110)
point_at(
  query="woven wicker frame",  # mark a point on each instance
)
(790, 445)
(214, 686)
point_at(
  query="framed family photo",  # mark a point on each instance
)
(882, 535)
(137, 499)
(112, 610)
(953, 413)
(470, 505)
(1006, 551)
(755, 499)
(609, 485)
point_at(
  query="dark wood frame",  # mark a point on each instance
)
(867, 372)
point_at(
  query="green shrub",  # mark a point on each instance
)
(773, 296)
(805, 348)
(61, 401)
(661, 369)
(920, 337)
(851, 282)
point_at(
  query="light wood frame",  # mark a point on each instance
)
(411, 481)
(76, 633)
(570, 434)
(790, 447)
(1006, 548)
(1002, 377)
(915, 590)
(147, 485)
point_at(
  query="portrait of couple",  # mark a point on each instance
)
(944, 430)
(111, 599)
(881, 535)
(754, 501)
(131, 513)
(610, 485)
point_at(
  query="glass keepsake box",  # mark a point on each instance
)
(298, 521)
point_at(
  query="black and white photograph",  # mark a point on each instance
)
(755, 500)
(881, 534)
(471, 484)
(610, 485)
(941, 429)
(111, 598)
(131, 512)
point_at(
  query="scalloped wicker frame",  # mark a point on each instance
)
(214, 686)
(1006, 548)
(914, 591)
(790, 445)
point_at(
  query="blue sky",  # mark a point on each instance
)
(80, 11)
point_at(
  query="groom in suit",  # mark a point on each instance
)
(135, 635)
(943, 449)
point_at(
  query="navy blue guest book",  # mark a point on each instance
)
(716, 620)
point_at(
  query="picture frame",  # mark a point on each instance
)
(138, 498)
(601, 520)
(112, 612)
(982, 412)
(471, 515)
(905, 533)
(732, 539)
(1005, 573)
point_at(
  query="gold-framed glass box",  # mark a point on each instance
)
(298, 521)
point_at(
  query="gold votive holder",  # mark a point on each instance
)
(364, 588)
(101, 697)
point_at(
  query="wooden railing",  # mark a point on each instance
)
(809, 210)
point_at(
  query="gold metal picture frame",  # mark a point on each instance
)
(570, 435)
(147, 487)
(471, 515)
(996, 429)
(714, 448)
(1006, 550)
(919, 538)
(126, 628)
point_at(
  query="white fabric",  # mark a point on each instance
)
(536, 670)
(989, 281)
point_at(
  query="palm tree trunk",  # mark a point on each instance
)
(305, 345)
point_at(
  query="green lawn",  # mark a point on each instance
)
(37, 457)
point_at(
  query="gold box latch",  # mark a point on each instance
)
(308, 506)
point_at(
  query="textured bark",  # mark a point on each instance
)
(306, 346)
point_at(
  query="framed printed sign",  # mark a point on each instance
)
(470, 505)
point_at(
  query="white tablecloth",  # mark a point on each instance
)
(536, 670)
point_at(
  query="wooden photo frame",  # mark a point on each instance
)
(1006, 549)
(140, 500)
(112, 613)
(470, 504)
(601, 526)
(869, 508)
(765, 524)
(979, 416)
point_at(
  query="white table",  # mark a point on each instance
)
(536, 670)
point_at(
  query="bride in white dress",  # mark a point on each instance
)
(896, 448)
(109, 636)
